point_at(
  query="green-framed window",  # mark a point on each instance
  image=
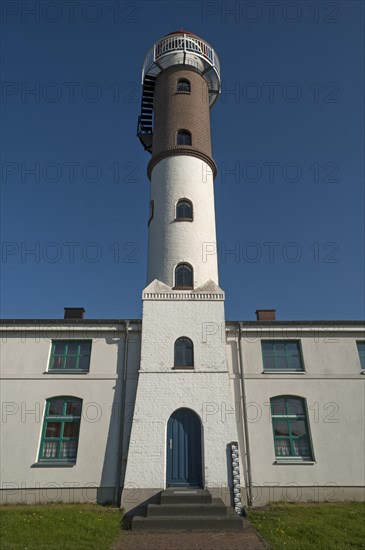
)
(282, 356)
(70, 355)
(61, 426)
(361, 350)
(290, 428)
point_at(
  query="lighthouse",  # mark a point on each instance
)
(184, 416)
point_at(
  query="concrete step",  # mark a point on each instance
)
(215, 508)
(191, 509)
(191, 523)
(185, 496)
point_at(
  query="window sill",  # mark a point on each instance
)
(66, 371)
(182, 92)
(183, 219)
(181, 367)
(53, 464)
(297, 461)
(283, 372)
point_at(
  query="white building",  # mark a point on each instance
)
(107, 410)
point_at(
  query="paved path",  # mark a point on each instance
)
(183, 540)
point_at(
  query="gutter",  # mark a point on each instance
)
(117, 492)
(245, 422)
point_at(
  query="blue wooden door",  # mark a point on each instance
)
(184, 456)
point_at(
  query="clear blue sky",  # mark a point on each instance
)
(289, 122)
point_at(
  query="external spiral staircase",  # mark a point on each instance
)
(177, 48)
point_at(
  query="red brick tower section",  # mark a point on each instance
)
(176, 110)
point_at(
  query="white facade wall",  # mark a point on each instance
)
(332, 385)
(172, 242)
(333, 388)
(26, 385)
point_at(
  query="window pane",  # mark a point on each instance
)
(187, 210)
(57, 363)
(281, 427)
(301, 447)
(281, 363)
(73, 408)
(184, 352)
(183, 276)
(361, 347)
(59, 348)
(297, 428)
(50, 449)
(68, 449)
(84, 362)
(279, 349)
(282, 447)
(85, 348)
(269, 362)
(189, 356)
(71, 429)
(183, 86)
(295, 406)
(71, 363)
(179, 355)
(267, 347)
(294, 362)
(53, 429)
(183, 137)
(292, 348)
(72, 348)
(361, 350)
(184, 210)
(293, 353)
(278, 406)
(56, 407)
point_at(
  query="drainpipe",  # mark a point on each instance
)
(245, 422)
(121, 418)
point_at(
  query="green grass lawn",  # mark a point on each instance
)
(311, 526)
(58, 526)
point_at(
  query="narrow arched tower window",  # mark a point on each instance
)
(184, 210)
(184, 276)
(183, 85)
(183, 137)
(184, 353)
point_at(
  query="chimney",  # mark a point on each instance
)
(74, 313)
(265, 314)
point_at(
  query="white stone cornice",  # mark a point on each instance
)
(182, 296)
(159, 291)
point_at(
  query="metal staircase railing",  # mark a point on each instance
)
(145, 120)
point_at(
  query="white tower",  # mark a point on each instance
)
(184, 414)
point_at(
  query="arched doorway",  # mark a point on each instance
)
(184, 449)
